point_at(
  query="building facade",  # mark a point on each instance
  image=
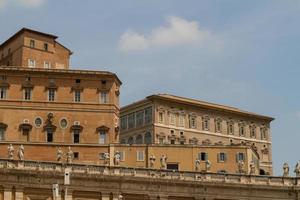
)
(50, 181)
(30, 48)
(168, 119)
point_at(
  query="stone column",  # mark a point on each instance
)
(19, 195)
(68, 194)
(105, 196)
(7, 194)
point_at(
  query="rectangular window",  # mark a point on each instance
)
(160, 117)
(2, 134)
(253, 132)
(76, 136)
(131, 120)
(139, 118)
(218, 126)
(222, 157)
(230, 128)
(45, 46)
(242, 130)
(203, 156)
(103, 97)
(102, 137)
(76, 155)
(263, 132)
(32, 43)
(193, 122)
(161, 140)
(47, 65)
(148, 115)
(240, 157)
(206, 123)
(140, 156)
(31, 63)
(172, 118)
(51, 94)
(3, 93)
(77, 95)
(49, 135)
(27, 94)
(124, 122)
(181, 120)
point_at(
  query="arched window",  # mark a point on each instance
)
(139, 139)
(148, 138)
(130, 140)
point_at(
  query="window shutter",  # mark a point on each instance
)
(206, 156)
(218, 157)
(225, 157)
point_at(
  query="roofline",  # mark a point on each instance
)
(204, 104)
(22, 31)
(140, 102)
(70, 71)
(210, 106)
(70, 52)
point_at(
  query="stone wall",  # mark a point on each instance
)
(35, 180)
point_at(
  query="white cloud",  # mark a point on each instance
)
(177, 31)
(24, 3)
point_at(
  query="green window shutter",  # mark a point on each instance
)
(206, 156)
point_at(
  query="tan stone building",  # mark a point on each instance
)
(168, 119)
(30, 48)
(47, 108)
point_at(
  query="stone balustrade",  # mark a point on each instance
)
(78, 169)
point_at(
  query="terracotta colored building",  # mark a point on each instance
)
(34, 49)
(168, 119)
(46, 107)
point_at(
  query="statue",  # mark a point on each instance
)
(117, 158)
(163, 162)
(11, 151)
(297, 169)
(286, 170)
(252, 168)
(197, 165)
(106, 158)
(59, 154)
(21, 152)
(70, 155)
(241, 165)
(152, 161)
(207, 165)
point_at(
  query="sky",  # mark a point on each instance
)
(239, 53)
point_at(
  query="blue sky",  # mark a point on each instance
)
(239, 53)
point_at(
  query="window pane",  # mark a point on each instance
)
(77, 95)
(2, 93)
(102, 137)
(140, 118)
(148, 115)
(104, 97)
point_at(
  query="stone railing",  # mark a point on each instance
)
(77, 169)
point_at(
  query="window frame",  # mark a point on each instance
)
(27, 94)
(31, 61)
(51, 97)
(3, 93)
(138, 153)
(77, 96)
